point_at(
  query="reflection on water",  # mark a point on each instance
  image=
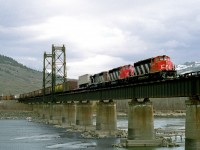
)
(24, 135)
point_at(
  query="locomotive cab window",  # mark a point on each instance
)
(157, 59)
(162, 58)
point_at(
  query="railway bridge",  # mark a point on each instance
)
(75, 107)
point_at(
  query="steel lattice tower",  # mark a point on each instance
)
(56, 74)
(47, 71)
(58, 66)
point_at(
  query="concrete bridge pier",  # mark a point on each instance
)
(84, 114)
(56, 114)
(35, 108)
(46, 112)
(40, 110)
(69, 114)
(192, 124)
(141, 124)
(106, 118)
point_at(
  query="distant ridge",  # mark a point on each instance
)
(15, 78)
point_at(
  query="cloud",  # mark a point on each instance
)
(93, 65)
(105, 33)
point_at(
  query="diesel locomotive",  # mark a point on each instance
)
(155, 68)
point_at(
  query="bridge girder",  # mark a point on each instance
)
(180, 87)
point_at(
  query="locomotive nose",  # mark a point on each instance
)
(165, 66)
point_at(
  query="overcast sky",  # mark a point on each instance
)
(99, 34)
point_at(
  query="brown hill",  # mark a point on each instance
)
(16, 78)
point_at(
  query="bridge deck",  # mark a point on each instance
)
(180, 87)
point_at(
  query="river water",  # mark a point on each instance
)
(24, 135)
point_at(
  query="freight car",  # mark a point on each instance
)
(59, 88)
(7, 97)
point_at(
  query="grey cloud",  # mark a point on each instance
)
(148, 28)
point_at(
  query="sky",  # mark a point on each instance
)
(99, 34)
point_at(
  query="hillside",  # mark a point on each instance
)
(16, 78)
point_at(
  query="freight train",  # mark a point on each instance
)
(152, 69)
(156, 68)
(59, 88)
(8, 97)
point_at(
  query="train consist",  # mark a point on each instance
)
(59, 88)
(156, 68)
(152, 69)
(8, 97)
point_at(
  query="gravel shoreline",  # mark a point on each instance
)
(9, 114)
(15, 115)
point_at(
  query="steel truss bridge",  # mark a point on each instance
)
(187, 85)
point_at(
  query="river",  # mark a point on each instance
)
(25, 135)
